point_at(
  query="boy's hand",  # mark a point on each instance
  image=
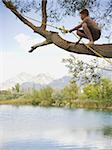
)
(73, 29)
(70, 30)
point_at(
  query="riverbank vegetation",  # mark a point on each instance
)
(87, 89)
(97, 95)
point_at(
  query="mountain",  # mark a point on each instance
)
(60, 83)
(29, 82)
(107, 74)
(21, 78)
(28, 86)
(42, 79)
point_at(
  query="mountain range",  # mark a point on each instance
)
(28, 81)
(38, 81)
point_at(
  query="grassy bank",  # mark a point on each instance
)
(16, 102)
(97, 96)
(90, 104)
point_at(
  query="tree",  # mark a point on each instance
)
(45, 96)
(17, 88)
(58, 97)
(55, 10)
(105, 89)
(91, 92)
(71, 91)
(82, 72)
(35, 97)
(99, 91)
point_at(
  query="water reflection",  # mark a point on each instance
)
(107, 131)
(35, 128)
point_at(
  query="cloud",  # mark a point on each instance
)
(26, 41)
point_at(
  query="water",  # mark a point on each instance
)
(37, 128)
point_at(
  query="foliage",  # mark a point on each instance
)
(58, 97)
(91, 91)
(71, 91)
(95, 95)
(56, 10)
(5, 95)
(71, 6)
(16, 88)
(99, 91)
(81, 71)
(8, 95)
(43, 96)
(35, 97)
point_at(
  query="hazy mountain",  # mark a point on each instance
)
(42, 79)
(26, 78)
(29, 82)
(28, 86)
(60, 83)
(107, 74)
(20, 78)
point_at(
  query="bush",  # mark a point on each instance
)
(42, 97)
(58, 97)
(99, 91)
(71, 91)
(8, 95)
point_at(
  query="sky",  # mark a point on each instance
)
(15, 41)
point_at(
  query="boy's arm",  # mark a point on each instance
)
(76, 28)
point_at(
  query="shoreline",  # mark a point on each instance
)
(87, 104)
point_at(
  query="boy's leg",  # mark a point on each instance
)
(81, 34)
(87, 32)
(78, 41)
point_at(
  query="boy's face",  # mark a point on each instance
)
(83, 16)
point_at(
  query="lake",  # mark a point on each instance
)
(38, 128)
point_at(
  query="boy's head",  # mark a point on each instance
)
(84, 13)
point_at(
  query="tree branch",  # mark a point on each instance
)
(44, 14)
(104, 49)
(10, 5)
(53, 37)
(46, 42)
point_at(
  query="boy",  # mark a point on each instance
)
(90, 30)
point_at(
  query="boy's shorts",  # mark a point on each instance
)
(95, 33)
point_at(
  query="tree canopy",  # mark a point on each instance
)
(54, 11)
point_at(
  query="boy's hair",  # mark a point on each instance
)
(84, 11)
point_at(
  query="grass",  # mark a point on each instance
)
(16, 102)
(90, 104)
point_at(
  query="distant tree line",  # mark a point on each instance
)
(92, 90)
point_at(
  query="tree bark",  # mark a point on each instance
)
(39, 45)
(53, 37)
(44, 14)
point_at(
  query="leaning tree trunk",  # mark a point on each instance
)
(54, 38)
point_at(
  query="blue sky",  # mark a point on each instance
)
(15, 41)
